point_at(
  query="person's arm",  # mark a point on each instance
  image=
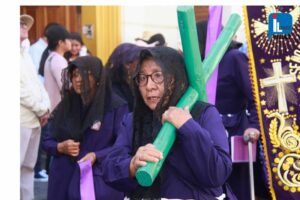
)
(49, 144)
(39, 106)
(205, 150)
(55, 148)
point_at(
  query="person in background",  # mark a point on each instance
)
(121, 65)
(84, 127)
(53, 62)
(233, 98)
(151, 40)
(34, 110)
(198, 163)
(51, 66)
(36, 50)
(77, 48)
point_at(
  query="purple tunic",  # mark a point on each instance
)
(196, 167)
(234, 96)
(64, 174)
(234, 93)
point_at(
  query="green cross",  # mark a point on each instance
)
(198, 75)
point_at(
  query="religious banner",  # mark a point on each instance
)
(273, 35)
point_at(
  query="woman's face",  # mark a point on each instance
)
(130, 67)
(77, 82)
(76, 45)
(151, 83)
(66, 45)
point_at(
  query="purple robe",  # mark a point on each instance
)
(196, 168)
(64, 174)
(234, 93)
(234, 96)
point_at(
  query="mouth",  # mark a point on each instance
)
(153, 99)
(77, 87)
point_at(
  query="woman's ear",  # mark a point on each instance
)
(60, 42)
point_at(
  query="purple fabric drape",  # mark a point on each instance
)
(86, 181)
(272, 59)
(213, 30)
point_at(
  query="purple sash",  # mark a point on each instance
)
(86, 181)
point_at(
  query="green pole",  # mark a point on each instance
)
(197, 79)
(164, 141)
(220, 46)
(191, 52)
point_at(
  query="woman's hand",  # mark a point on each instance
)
(89, 156)
(252, 133)
(142, 155)
(176, 116)
(69, 147)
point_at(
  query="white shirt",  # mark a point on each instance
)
(34, 100)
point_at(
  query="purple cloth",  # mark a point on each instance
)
(197, 165)
(64, 172)
(284, 50)
(213, 30)
(234, 93)
(86, 181)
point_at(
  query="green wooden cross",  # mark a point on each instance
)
(198, 75)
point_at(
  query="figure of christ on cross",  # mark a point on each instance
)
(279, 80)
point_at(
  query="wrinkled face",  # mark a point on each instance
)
(151, 83)
(77, 82)
(75, 47)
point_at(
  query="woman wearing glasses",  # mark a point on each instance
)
(198, 163)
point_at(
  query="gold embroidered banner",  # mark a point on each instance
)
(275, 76)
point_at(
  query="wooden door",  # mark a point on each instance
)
(201, 13)
(69, 16)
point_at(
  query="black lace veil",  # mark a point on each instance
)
(75, 113)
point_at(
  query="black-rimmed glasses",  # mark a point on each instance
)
(142, 79)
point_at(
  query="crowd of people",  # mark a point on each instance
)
(76, 109)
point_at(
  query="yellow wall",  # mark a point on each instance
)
(106, 22)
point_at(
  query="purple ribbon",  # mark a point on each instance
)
(213, 30)
(87, 191)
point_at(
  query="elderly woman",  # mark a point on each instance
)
(198, 163)
(84, 127)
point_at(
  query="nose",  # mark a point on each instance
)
(150, 84)
(78, 78)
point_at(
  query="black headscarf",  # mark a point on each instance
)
(122, 55)
(75, 113)
(147, 123)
